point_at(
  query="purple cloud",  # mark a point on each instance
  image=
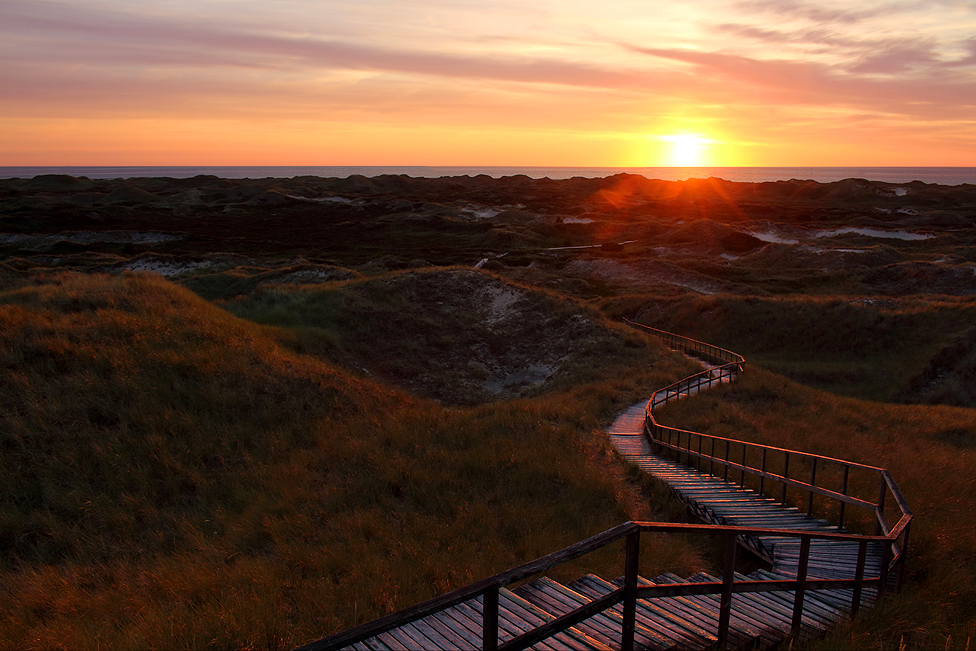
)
(118, 39)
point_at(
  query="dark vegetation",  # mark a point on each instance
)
(342, 396)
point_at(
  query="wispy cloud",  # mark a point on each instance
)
(784, 81)
(614, 67)
(814, 12)
(126, 40)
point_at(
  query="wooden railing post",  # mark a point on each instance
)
(742, 472)
(786, 475)
(728, 450)
(630, 592)
(885, 561)
(813, 482)
(489, 620)
(904, 555)
(843, 489)
(762, 478)
(728, 576)
(881, 506)
(801, 585)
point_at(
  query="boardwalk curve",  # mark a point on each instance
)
(820, 573)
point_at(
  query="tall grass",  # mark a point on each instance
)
(175, 477)
(863, 347)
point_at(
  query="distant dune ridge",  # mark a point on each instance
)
(939, 175)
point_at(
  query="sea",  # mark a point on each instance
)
(939, 175)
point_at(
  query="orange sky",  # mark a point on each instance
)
(488, 82)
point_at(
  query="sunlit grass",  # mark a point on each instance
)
(175, 477)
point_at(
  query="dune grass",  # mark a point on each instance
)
(872, 348)
(459, 335)
(931, 451)
(175, 477)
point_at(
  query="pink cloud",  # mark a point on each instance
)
(797, 82)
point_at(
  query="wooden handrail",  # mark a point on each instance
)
(385, 623)
(772, 448)
(503, 579)
(735, 365)
(840, 497)
(488, 588)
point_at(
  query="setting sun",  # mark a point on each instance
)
(687, 150)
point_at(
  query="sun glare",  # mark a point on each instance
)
(687, 150)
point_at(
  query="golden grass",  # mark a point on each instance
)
(175, 477)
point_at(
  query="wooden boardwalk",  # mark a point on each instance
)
(678, 620)
(758, 620)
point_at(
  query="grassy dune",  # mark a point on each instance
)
(931, 451)
(176, 477)
(874, 348)
(458, 335)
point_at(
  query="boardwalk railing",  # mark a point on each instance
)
(487, 591)
(776, 470)
(721, 357)
(728, 455)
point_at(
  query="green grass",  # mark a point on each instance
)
(175, 477)
(863, 347)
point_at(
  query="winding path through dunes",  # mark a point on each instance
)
(820, 573)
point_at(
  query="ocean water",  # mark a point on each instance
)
(940, 175)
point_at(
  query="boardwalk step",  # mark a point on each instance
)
(743, 633)
(460, 627)
(674, 626)
(605, 627)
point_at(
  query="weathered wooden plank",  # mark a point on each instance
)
(442, 636)
(663, 608)
(610, 620)
(465, 622)
(520, 612)
(547, 597)
(392, 641)
(772, 625)
(649, 632)
(422, 639)
(828, 602)
(574, 634)
(741, 632)
(814, 615)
